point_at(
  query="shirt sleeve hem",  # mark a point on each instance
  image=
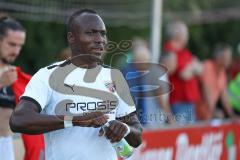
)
(33, 101)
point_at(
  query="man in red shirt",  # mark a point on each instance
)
(186, 91)
(12, 85)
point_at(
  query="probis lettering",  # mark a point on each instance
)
(91, 106)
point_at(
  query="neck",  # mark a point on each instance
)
(84, 62)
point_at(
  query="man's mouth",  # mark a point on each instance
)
(98, 50)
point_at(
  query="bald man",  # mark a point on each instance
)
(70, 101)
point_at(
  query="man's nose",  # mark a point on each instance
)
(99, 38)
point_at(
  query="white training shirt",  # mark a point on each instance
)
(75, 143)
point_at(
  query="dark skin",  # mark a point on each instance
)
(87, 36)
(88, 39)
(116, 130)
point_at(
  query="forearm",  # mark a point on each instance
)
(226, 103)
(193, 69)
(27, 119)
(187, 73)
(36, 123)
(134, 138)
(207, 97)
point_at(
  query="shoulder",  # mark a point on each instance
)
(111, 69)
(208, 69)
(208, 64)
(45, 72)
(107, 66)
(50, 68)
(56, 64)
(186, 52)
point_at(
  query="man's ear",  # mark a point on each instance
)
(70, 37)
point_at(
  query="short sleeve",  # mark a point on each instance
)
(126, 104)
(38, 90)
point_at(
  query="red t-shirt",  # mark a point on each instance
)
(186, 91)
(20, 84)
(34, 144)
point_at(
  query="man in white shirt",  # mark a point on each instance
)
(70, 101)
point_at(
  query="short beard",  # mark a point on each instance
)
(5, 61)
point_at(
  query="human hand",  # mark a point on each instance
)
(8, 76)
(188, 72)
(197, 66)
(92, 119)
(115, 132)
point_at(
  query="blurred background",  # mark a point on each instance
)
(144, 26)
(208, 21)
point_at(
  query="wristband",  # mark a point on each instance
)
(68, 121)
(128, 130)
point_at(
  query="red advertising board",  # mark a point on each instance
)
(198, 142)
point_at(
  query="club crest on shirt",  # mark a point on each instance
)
(111, 86)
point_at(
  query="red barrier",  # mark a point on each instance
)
(198, 142)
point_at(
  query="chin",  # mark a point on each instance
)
(11, 61)
(96, 59)
(7, 61)
(97, 55)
